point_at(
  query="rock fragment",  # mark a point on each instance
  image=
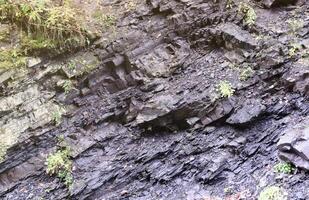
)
(249, 111)
(293, 146)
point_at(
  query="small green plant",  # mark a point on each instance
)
(272, 193)
(72, 65)
(248, 12)
(294, 48)
(285, 168)
(225, 89)
(295, 25)
(67, 86)
(57, 116)
(246, 73)
(60, 164)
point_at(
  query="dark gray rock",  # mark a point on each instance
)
(294, 145)
(249, 111)
(270, 3)
(235, 37)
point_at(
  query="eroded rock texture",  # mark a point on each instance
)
(148, 122)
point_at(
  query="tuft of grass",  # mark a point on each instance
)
(272, 193)
(248, 13)
(60, 165)
(46, 24)
(12, 58)
(57, 116)
(285, 168)
(67, 86)
(225, 89)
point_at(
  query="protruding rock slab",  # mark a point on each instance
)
(270, 3)
(294, 145)
(249, 111)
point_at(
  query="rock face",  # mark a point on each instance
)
(144, 114)
(294, 145)
(250, 110)
(270, 3)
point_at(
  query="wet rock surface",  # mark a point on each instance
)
(148, 121)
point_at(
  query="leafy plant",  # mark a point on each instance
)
(246, 73)
(57, 116)
(285, 168)
(60, 164)
(67, 86)
(12, 58)
(272, 193)
(294, 48)
(72, 65)
(225, 89)
(248, 12)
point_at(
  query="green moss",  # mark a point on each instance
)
(60, 165)
(285, 168)
(272, 193)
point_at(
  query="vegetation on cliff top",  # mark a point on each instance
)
(43, 28)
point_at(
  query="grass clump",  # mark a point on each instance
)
(67, 86)
(225, 89)
(60, 165)
(248, 13)
(272, 193)
(45, 24)
(45, 19)
(12, 58)
(285, 168)
(57, 116)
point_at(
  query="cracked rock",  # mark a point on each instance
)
(294, 146)
(249, 111)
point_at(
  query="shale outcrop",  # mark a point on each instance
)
(145, 112)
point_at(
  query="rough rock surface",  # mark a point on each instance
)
(148, 121)
(294, 145)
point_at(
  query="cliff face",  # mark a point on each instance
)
(180, 100)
